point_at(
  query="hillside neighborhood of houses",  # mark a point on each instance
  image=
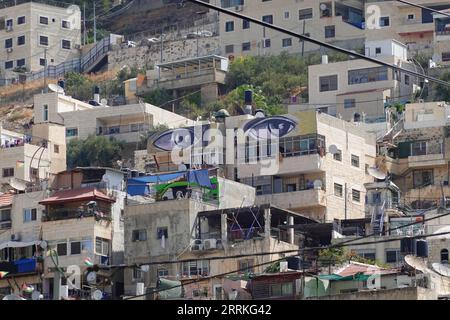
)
(178, 163)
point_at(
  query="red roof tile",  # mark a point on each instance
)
(76, 195)
(6, 199)
(354, 268)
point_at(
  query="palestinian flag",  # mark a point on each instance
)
(88, 262)
(27, 288)
(3, 274)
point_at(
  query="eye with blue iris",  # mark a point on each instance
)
(273, 127)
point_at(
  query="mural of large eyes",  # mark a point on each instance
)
(182, 138)
(273, 127)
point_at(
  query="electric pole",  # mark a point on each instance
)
(84, 23)
(45, 70)
(95, 26)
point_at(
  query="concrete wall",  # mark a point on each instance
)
(413, 293)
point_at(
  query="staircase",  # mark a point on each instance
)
(393, 132)
(94, 57)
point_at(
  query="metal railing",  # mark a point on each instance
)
(100, 49)
(64, 214)
(12, 3)
(106, 131)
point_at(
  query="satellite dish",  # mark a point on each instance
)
(145, 268)
(36, 295)
(97, 295)
(376, 173)
(182, 167)
(323, 6)
(103, 102)
(333, 149)
(43, 244)
(91, 277)
(441, 269)
(55, 88)
(17, 184)
(317, 184)
(13, 297)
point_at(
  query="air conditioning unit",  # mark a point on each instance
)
(15, 237)
(210, 244)
(238, 8)
(197, 245)
(9, 50)
(77, 46)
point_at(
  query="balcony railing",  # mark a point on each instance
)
(105, 131)
(443, 33)
(64, 214)
(5, 224)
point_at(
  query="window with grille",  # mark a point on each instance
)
(338, 190)
(355, 161)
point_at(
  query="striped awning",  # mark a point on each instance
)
(6, 200)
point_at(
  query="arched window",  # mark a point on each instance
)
(444, 256)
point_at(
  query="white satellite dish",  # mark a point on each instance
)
(182, 167)
(97, 295)
(103, 102)
(145, 268)
(442, 269)
(317, 184)
(17, 184)
(13, 297)
(91, 277)
(333, 149)
(55, 88)
(323, 6)
(43, 244)
(36, 295)
(376, 173)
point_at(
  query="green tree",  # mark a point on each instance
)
(158, 97)
(443, 92)
(78, 86)
(93, 151)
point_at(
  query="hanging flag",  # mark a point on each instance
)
(3, 274)
(27, 288)
(88, 262)
(20, 164)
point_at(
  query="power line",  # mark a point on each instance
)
(423, 7)
(318, 42)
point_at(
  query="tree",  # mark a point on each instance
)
(78, 86)
(93, 151)
(158, 97)
(443, 92)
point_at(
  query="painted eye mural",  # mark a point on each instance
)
(181, 137)
(269, 128)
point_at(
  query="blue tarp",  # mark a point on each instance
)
(201, 177)
(25, 265)
(139, 186)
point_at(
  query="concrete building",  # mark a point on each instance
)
(206, 73)
(35, 34)
(357, 90)
(441, 40)
(410, 25)
(25, 159)
(337, 22)
(125, 123)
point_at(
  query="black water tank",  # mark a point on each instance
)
(294, 263)
(61, 83)
(96, 90)
(422, 248)
(248, 97)
(408, 246)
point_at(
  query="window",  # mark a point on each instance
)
(287, 42)
(8, 172)
(266, 43)
(367, 75)
(139, 235)
(229, 48)
(356, 195)
(392, 256)
(65, 44)
(56, 148)
(406, 79)
(245, 24)
(20, 62)
(410, 16)
(34, 173)
(378, 50)
(162, 231)
(281, 289)
(20, 40)
(43, 40)
(137, 273)
(422, 178)
(384, 21)
(349, 103)
(330, 31)
(45, 112)
(71, 132)
(9, 23)
(29, 215)
(8, 43)
(304, 14)
(65, 24)
(338, 155)
(446, 56)
(101, 246)
(355, 161)
(42, 62)
(338, 190)
(367, 255)
(444, 256)
(162, 272)
(328, 83)
(246, 46)
(21, 20)
(193, 268)
(286, 14)
(75, 247)
(136, 127)
(87, 245)
(9, 64)
(268, 18)
(43, 20)
(5, 215)
(419, 148)
(61, 249)
(229, 26)
(245, 266)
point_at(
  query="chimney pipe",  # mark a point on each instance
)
(325, 59)
(97, 94)
(248, 100)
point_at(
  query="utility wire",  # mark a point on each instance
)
(318, 42)
(423, 7)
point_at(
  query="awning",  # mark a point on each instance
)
(85, 194)
(18, 244)
(336, 277)
(6, 200)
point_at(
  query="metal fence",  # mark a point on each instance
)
(12, 3)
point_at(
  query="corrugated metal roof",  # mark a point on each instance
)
(76, 195)
(6, 199)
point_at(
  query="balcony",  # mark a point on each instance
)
(64, 214)
(127, 133)
(411, 27)
(293, 200)
(430, 157)
(5, 224)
